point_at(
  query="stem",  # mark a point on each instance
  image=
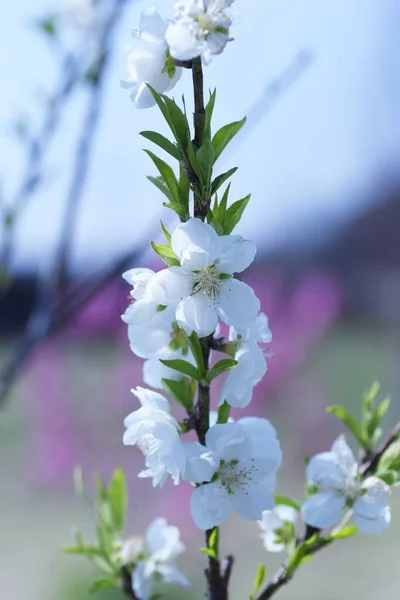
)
(217, 581)
(201, 203)
(199, 110)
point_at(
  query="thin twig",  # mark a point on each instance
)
(47, 315)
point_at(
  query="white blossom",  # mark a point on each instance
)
(252, 364)
(282, 517)
(201, 29)
(146, 60)
(154, 558)
(238, 464)
(335, 474)
(203, 284)
(157, 434)
(153, 333)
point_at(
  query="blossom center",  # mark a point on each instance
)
(146, 442)
(233, 475)
(207, 280)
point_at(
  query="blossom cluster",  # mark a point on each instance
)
(201, 28)
(152, 558)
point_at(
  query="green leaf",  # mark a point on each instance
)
(223, 413)
(221, 367)
(83, 550)
(389, 477)
(176, 207)
(182, 366)
(220, 180)
(159, 183)
(390, 459)
(167, 234)
(286, 501)
(167, 174)
(351, 422)
(118, 497)
(163, 143)
(205, 158)
(184, 188)
(259, 580)
(344, 533)
(213, 541)
(374, 418)
(178, 122)
(182, 391)
(102, 584)
(194, 163)
(209, 113)
(234, 214)
(208, 552)
(166, 254)
(224, 135)
(195, 347)
(370, 397)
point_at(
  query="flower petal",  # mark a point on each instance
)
(150, 398)
(210, 506)
(324, 509)
(251, 501)
(200, 463)
(235, 253)
(238, 305)
(197, 313)
(197, 234)
(169, 286)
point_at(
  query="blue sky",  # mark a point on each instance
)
(311, 163)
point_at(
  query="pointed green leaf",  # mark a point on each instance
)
(390, 460)
(259, 580)
(163, 143)
(178, 122)
(389, 477)
(182, 391)
(118, 497)
(287, 501)
(208, 552)
(184, 188)
(166, 233)
(102, 584)
(220, 367)
(234, 214)
(182, 366)
(209, 113)
(351, 422)
(166, 254)
(159, 183)
(178, 208)
(222, 138)
(195, 347)
(167, 174)
(343, 533)
(220, 180)
(213, 541)
(223, 413)
(205, 158)
(194, 163)
(370, 397)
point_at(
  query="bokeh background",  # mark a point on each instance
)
(320, 82)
